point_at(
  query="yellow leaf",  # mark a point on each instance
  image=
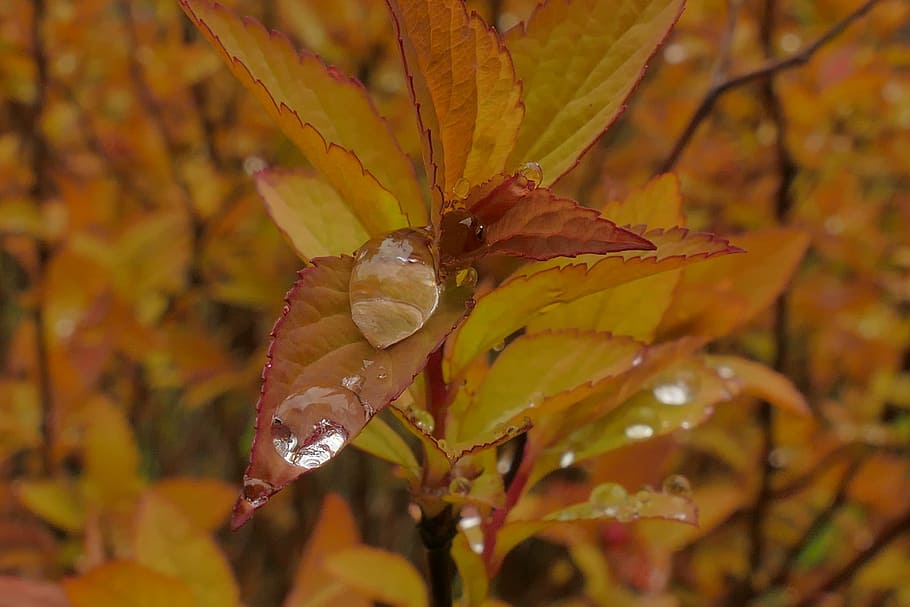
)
(168, 543)
(310, 213)
(535, 370)
(111, 457)
(335, 530)
(379, 575)
(657, 205)
(474, 579)
(205, 502)
(56, 501)
(463, 84)
(328, 115)
(127, 584)
(578, 62)
(380, 440)
(762, 382)
(714, 299)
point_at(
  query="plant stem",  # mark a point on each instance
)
(437, 533)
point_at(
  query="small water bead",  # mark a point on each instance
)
(394, 287)
(353, 383)
(460, 486)
(639, 431)
(608, 495)
(678, 485)
(567, 459)
(676, 389)
(533, 172)
(310, 428)
(461, 188)
(499, 347)
(422, 419)
(256, 491)
(725, 372)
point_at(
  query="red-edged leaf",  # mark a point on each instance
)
(327, 114)
(539, 287)
(318, 351)
(522, 220)
(463, 84)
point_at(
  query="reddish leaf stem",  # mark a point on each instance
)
(770, 68)
(437, 391)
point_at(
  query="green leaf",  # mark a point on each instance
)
(310, 213)
(578, 62)
(327, 114)
(540, 287)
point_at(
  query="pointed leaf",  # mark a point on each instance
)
(521, 298)
(578, 62)
(762, 382)
(715, 300)
(657, 204)
(205, 502)
(464, 87)
(111, 457)
(472, 571)
(379, 575)
(318, 351)
(56, 501)
(535, 369)
(310, 213)
(335, 530)
(380, 440)
(168, 543)
(327, 114)
(127, 584)
(522, 220)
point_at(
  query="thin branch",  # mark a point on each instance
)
(768, 69)
(886, 536)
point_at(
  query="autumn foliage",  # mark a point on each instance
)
(426, 302)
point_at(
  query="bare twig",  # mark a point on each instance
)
(706, 105)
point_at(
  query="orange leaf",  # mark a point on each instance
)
(127, 584)
(319, 356)
(379, 574)
(464, 87)
(762, 382)
(328, 115)
(205, 502)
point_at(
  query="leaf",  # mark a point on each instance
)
(464, 87)
(56, 501)
(318, 350)
(310, 213)
(335, 530)
(127, 584)
(578, 62)
(380, 440)
(607, 502)
(205, 502)
(327, 114)
(658, 204)
(762, 382)
(111, 457)
(23, 592)
(379, 575)
(535, 370)
(520, 299)
(716, 299)
(472, 571)
(168, 543)
(522, 220)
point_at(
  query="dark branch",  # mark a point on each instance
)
(768, 69)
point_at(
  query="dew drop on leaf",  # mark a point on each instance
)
(678, 485)
(353, 383)
(256, 491)
(608, 494)
(532, 172)
(639, 431)
(725, 372)
(422, 419)
(309, 428)
(460, 486)
(499, 347)
(394, 287)
(676, 389)
(567, 459)
(461, 188)
(470, 526)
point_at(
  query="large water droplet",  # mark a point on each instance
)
(639, 431)
(394, 288)
(678, 485)
(533, 172)
(309, 428)
(676, 389)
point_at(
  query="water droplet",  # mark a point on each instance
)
(608, 495)
(381, 373)
(725, 372)
(639, 358)
(309, 428)
(532, 172)
(366, 364)
(470, 525)
(256, 491)
(467, 276)
(422, 419)
(460, 486)
(639, 431)
(678, 485)
(567, 459)
(394, 288)
(535, 399)
(499, 347)
(461, 188)
(353, 383)
(676, 389)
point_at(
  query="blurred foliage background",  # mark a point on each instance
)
(140, 276)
